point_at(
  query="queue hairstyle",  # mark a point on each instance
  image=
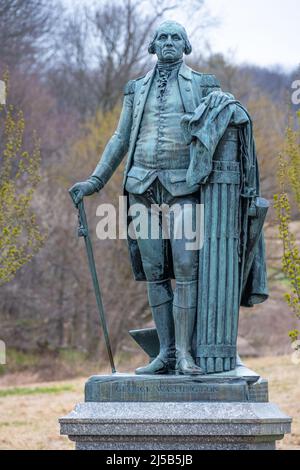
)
(188, 46)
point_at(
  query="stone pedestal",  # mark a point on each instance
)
(180, 426)
(221, 411)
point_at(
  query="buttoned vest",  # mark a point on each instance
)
(160, 143)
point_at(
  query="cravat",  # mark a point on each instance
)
(162, 81)
(164, 72)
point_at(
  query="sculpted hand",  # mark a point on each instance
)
(84, 188)
(218, 98)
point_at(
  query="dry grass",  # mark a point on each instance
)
(284, 390)
(29, 417)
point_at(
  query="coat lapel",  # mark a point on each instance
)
(141, 101)
(138, 109)
(186, 89)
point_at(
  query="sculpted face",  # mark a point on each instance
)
(169, 43)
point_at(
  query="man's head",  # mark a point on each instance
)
(170, 42)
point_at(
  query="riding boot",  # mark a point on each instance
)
(184, 312)
(162, 314)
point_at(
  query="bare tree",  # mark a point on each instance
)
(104, 46)
(25, 27)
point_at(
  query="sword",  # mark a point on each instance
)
(254, 220)
(257, 215)
(83, 231)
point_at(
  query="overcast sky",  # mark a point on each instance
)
(263, 32)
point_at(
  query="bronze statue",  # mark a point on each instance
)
(189, 143)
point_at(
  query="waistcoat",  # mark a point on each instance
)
(160, 143)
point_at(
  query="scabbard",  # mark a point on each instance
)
(257, 216)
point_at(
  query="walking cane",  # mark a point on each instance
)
(83, 231)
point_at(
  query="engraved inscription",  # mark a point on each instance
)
(166, 390)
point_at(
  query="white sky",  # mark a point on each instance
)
(263, 32)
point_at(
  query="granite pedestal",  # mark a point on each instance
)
(222, 411)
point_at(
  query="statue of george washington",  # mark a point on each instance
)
(189, 143)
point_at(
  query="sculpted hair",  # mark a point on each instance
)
(188, 46)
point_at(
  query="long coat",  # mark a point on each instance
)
(193, 87)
